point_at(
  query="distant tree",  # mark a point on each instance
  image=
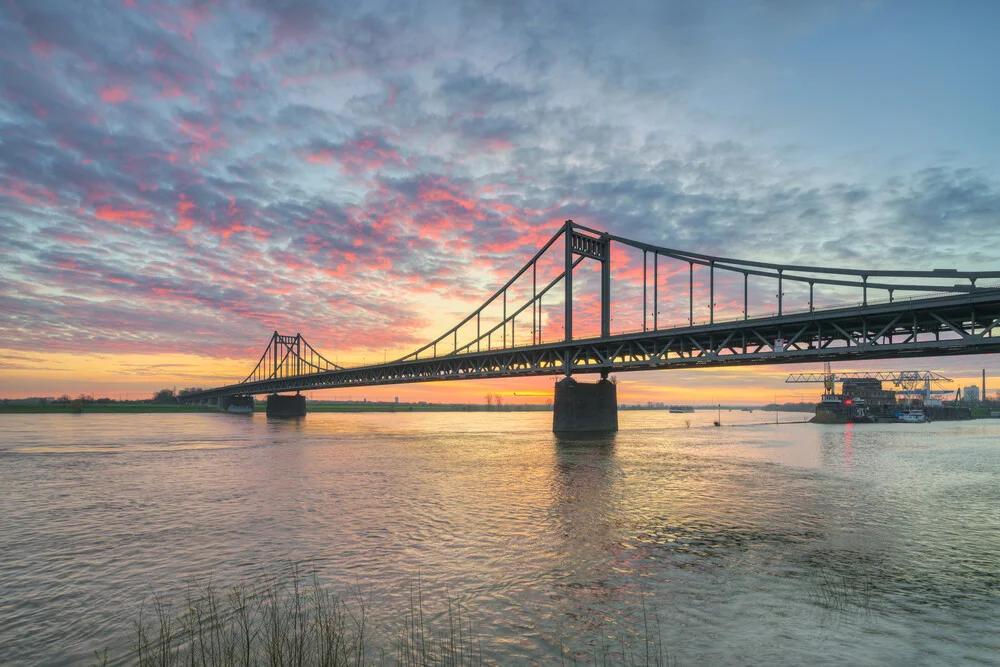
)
(613, 379)
(189, 390)
(63, 399)
(76, 406)
(164, 396)
(489, 400)
(498, 400)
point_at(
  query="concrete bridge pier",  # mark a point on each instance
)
(237, 404)
(580, 407)
(279, 405)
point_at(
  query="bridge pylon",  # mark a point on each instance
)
(598, 248)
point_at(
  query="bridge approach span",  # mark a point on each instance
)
(926, 327)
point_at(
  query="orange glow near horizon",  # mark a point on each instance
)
(138, 376)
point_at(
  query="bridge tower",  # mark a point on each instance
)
(579, 407)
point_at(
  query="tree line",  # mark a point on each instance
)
(163, 396)
(170, 396)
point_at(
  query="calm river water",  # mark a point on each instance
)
(755, 544)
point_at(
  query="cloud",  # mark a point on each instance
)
(191, 176)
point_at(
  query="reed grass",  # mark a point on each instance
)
(854, 591)
(291, 620)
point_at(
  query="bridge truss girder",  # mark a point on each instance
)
(938, 326)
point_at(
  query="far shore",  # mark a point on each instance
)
(158, 408)
(97, 408)
(312, 406)
(12, 408)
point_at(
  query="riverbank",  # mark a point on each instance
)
(99, 408)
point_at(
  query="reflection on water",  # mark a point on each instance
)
(752, 543)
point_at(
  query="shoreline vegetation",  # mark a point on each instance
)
(292, 619)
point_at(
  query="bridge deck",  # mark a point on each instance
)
(936, 326)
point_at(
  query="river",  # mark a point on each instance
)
(753, 543)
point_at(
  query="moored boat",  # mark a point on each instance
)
(912, 417)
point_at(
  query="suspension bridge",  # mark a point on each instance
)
(913, 313)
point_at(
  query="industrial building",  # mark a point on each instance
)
(864, 398)
(971, 394)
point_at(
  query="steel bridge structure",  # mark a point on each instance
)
(918, 313)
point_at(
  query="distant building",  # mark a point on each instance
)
(971, 394)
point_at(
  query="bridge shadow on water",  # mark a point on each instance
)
(594, 441)
(584, 461)
(285, 424)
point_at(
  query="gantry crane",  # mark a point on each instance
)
(908, 381)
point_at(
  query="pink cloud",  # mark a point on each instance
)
(358, 156)
(26, 193)
(122, 215)
(184, 20)
(205, 138)
(41, 48)
(184, 206)
(70, 239)
(114, 95)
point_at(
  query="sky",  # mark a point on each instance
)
(180, 179)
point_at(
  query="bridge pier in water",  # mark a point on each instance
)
(236, 404)
(279, 405)
(583, 407)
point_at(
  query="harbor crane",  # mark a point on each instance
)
(909, 382)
